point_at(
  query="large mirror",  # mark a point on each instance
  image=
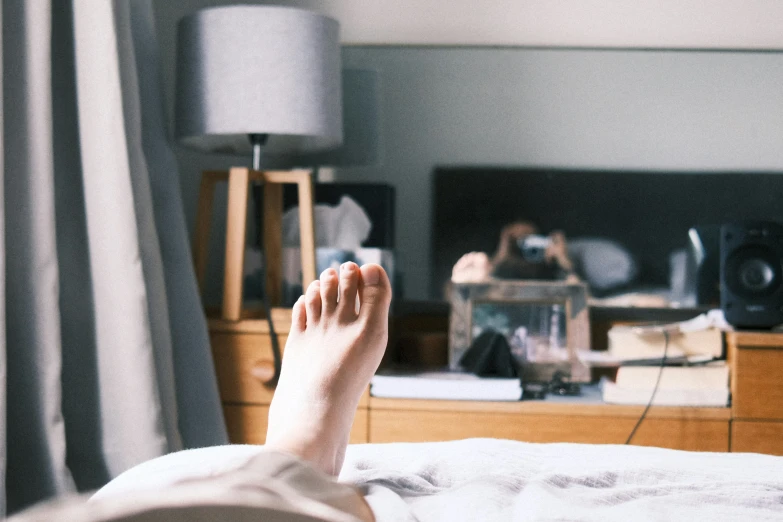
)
(484, 114)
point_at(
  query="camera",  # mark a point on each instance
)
(534, 247)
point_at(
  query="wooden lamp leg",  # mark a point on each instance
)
(307, 229)
(236, 233)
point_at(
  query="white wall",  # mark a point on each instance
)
(635, 23)
(728, 24)
(748, 140)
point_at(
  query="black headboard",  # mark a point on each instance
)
(648, 212)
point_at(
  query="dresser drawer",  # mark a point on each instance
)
(757, 437)
(247, 424)
(757, 375)
(432, 426)
(235, 356)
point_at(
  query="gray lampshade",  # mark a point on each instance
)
(255, 69)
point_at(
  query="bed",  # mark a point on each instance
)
(491, 479)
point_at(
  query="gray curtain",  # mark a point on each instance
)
(104, 353)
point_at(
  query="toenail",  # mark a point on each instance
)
(347, 267)
(372, 277)
(329, 272)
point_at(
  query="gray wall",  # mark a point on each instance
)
(527, 106)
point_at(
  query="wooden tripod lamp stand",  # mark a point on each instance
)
(239, 180)
(266, 80)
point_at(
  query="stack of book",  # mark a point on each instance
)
(637, 344)
(681, 372)
(679, 386)
(446, 386)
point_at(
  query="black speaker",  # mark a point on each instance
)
(751, 269)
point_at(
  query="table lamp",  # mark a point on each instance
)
(257, 80)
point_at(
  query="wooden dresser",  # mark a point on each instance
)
(754, 422)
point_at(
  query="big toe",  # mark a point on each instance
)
(374, 292)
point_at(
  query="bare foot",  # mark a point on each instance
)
(331, 354)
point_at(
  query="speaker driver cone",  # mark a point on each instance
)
(753, 272)
(756, 275)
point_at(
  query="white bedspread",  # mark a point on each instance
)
(483, 479)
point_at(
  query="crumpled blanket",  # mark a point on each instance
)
(488, 479)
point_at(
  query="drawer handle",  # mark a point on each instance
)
(264, 371)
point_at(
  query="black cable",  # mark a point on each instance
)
(276, 354)
(655, 388)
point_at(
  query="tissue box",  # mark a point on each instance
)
(376, 199)
(329, 257)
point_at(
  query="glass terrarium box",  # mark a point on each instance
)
(545, 323)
